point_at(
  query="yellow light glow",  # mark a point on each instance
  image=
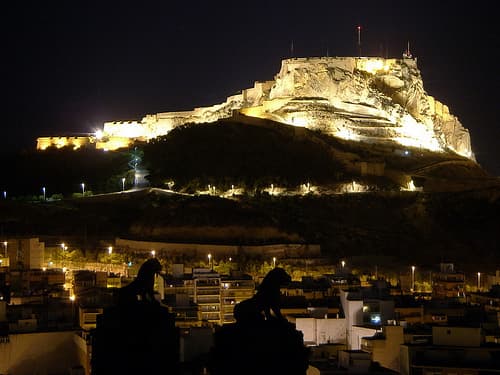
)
(373, 66)
(415, 134)
(347, 134)
(98, 134)
(72, 297)
(299, 121)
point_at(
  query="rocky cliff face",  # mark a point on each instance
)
(367, 99)
(363, 99)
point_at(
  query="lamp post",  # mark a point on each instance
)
(274, 262)
(110, 250)
(5, 248)
(210, 264)
(478, 281)
(83, 189)
(43, 191)
(153, 253)
(343, 265)
(123, 183)
(412, 278)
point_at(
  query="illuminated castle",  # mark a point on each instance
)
(358, 98)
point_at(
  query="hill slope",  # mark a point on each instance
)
(255, 153)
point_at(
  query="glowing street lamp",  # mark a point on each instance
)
(343, 264)
(43, 191)
(412, 278)
(274, 262)
(110, 250)
(123, 183)
(5, 247)
(83, 189)
(4, 194)
(479, 281)
(153, 253)
(210, 264)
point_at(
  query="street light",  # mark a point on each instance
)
(153, 253)
(43, 190)
(274, 262)
(110, 250)
(412, 278)
(210, 261)
(478, 281)
(83, 189)
(123, 183)
(5, 246)
(343, 264)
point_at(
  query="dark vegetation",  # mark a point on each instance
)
(227, 153)
(61, 171)
(408, 227)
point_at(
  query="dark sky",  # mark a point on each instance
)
(68, 66)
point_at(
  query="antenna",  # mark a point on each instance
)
(359, 40)
(407, 53)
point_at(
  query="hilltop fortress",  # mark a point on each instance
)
(357, 98)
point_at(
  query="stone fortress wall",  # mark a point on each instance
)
(358, 98)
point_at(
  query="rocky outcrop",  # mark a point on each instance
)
(365, 99)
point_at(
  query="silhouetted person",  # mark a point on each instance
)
(138, 334)
(261, 341)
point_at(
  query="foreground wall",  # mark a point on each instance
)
(41, 353)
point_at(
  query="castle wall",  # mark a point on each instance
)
(43, 143)
(358, 98)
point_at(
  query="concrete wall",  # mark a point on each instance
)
(353, 312)
(202, 250)
(456, 336)
(356, 334)
(387, 351)
(40, 353)
(28, 251)
(322, 331)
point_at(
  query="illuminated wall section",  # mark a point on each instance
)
(43, 143)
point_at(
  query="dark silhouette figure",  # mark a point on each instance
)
(265, 304)
(142, 288)
(137, 335)
(261, 341)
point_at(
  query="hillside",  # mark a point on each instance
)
(409, 226)
(255, 153)
(357, 203)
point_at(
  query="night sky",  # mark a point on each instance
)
(69, 66)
